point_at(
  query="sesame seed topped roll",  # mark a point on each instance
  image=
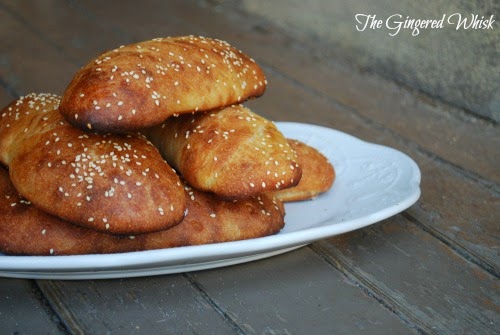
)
(26, 230)
(231, 152)
(318, 174)
(117, 184)
(142, 84)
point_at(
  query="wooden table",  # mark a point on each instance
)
(432, 269)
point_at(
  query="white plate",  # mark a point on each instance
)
(373, 182)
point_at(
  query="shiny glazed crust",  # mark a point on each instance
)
(318, 174)
(142, 84)
(112, 183)
(26, 230)
(231, 152)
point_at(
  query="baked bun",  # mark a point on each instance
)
(211, 219)
(231, 152)
(112, 183)
(26, 230)
(318, 174)
(141, 85)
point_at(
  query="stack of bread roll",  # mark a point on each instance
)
(149, 147)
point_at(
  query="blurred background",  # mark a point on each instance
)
(458, 67)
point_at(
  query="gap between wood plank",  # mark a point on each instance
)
(197, 286)
(50, 292)
(48, 308)
(369, 290)
(460, 250)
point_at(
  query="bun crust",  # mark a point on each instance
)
(231, 152)
(111, 183)
(142, 84)
(318, 174)
(26, 230)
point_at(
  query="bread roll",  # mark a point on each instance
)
(318, 174)
(27, 230)
(231, 152)
(111, 183)
(142, 84)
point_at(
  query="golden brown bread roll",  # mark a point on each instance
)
(318, 174)
(142, 84)
(112, 183)
(26, 230)
(231, 152)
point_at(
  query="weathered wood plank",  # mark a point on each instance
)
(296, 293)
(417, 275)
(32, 63)
(22, 310)
(84, 36)
(150, 305)
(462, 210)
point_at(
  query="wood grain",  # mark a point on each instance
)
(432, 269)
(444, 189)
(418, 276)
(150, 305)
(268, 297)
(34, 73)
